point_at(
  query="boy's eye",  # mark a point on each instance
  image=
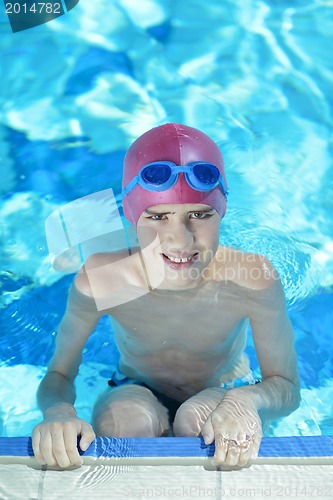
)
(156, 217)
(199, 215)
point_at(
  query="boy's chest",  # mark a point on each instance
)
(188, 319)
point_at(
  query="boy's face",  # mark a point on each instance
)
(178, 241)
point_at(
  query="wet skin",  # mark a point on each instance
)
(180, 306)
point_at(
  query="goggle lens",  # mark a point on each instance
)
(156, 174)
(207, 174)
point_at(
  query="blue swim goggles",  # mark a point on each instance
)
(163, 175)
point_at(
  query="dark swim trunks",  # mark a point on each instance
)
(172, 405)
(119, 379)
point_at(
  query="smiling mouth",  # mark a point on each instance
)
(178, 260)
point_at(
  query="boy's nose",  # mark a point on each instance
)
(180, 236)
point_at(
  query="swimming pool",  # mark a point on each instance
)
(75, 92)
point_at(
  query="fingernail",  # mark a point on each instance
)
(208, 440)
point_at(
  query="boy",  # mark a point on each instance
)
(180, 306)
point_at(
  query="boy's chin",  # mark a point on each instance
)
(173, 276)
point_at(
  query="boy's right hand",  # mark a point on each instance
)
(54, 440)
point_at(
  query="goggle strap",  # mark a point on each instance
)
(130, 186)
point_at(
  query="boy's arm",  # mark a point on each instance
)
(237, 417)
(279, 392)
(55, 439)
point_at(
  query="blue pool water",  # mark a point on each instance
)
(75, 92)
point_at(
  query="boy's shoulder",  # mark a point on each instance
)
(107, 270)
(249, 270)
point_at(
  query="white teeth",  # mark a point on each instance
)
(179, 260)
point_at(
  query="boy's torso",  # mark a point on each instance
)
(181, 341)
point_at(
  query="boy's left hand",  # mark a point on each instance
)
(236, 428)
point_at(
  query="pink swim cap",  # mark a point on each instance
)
(181, 145)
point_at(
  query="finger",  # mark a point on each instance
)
(221, 450)
(245, 443)
(245, 452)
(59, 449)
(46, 449)
(70, 444)
(245, 456)
(87, 437)
(35, 441)
(207, 432)
(232, 455)
(255, 447)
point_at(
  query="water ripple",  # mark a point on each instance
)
(292, 259)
